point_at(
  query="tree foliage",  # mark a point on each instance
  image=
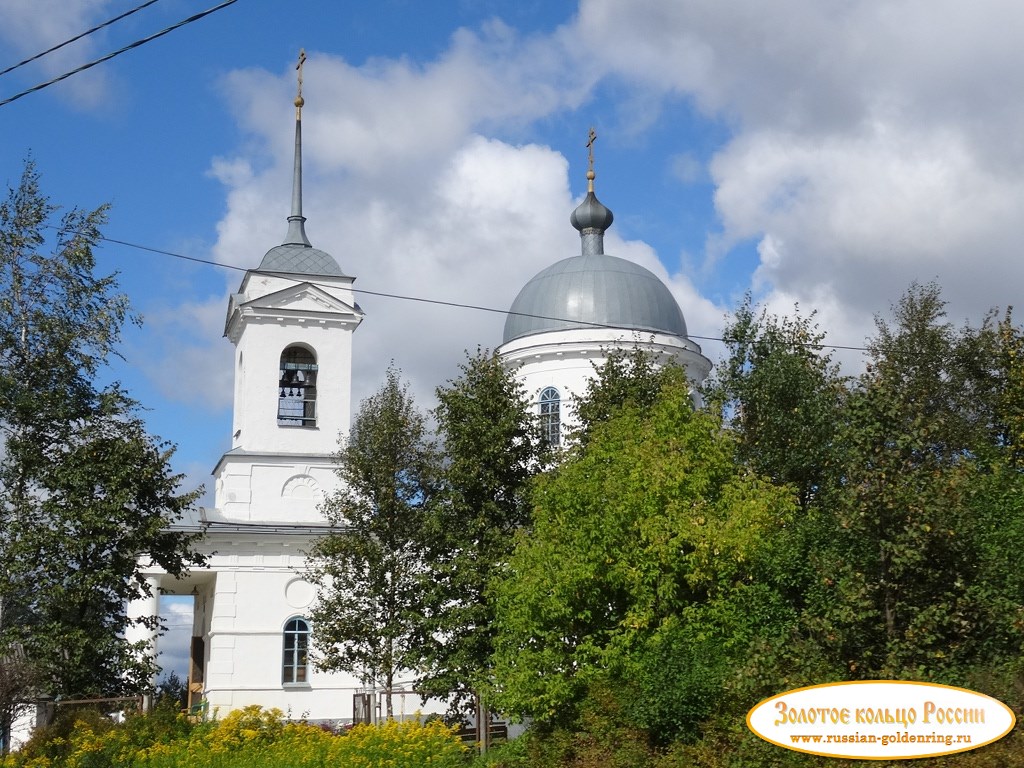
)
(85, 491)
(368, 617)
(916, 429)
(492, 448)
(627, 378)
(861, 527)
(779, 391)
(646, 532)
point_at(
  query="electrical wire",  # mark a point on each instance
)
(441, 302)
(109, 56)
(57, 47)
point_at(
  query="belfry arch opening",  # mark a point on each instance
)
(296, 402)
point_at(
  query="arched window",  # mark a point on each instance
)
(550, 416)
(296, 651)
(296, 403)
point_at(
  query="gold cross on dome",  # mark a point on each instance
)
(591, 138)
(299, 101)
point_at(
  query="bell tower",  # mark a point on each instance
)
(291, 322)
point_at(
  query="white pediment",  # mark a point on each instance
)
(300, 301)
(301, 298)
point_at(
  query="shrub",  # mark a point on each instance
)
(246, 738)
(400, 745)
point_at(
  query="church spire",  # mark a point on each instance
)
(591, 218)
(296, 221)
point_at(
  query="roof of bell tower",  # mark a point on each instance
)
(296, 255)
(299, 259)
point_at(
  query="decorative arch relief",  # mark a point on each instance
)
(302, 487)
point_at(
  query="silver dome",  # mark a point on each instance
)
(594, 289)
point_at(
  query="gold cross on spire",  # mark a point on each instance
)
(299, 101)
(591, 138)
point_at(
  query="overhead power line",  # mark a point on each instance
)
(87, 32)
(439, 302)
(109, 56)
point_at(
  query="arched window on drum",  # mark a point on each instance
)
(551, 416)
(296, 403)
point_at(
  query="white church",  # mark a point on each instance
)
(291, 323)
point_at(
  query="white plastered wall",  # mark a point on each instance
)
(259, 590)
(567, 360)
(268, 315)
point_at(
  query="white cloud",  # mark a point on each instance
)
(492, 218)
(173, 645)
(186, 356)
(870, 144)
(389, 121)
(873, 143)
(420, 206)
(866, 217)
(32, 26)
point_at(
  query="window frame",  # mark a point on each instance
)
(549, 414)
(295, 652)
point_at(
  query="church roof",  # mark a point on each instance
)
(593, 289)
(585, 290)
(296, 255)
(299, 259)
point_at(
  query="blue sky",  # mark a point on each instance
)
(820, 153)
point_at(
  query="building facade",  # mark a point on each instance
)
(291, 323)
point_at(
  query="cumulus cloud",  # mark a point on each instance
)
(871, 144)
(491, 216)
(173, 645)
(865, 146)
(32, 26)
(864, 218)
(403, 189)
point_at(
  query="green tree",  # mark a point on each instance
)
(994, 360)
(368, 617)
(628, 377)
(901, 563)
(649, 531)
(85, 492)
(997, 504)
(780, 392)
(1010, 408)
(172, 692)
(492, 448)
(905, 554)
